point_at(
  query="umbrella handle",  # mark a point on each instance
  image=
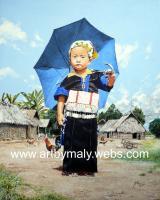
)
(107, 71)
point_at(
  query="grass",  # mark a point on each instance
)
(142, 174)
(152, 146)
(42, 197)
(10, 184)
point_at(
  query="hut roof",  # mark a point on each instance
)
(113, 125)
(44, 123)
(108, 125)
(32, 115)
(102, 121)
(11, 114)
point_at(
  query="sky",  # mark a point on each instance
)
(26, 27)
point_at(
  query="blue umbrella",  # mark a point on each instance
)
(54, 65)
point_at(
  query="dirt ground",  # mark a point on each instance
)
(115, 180)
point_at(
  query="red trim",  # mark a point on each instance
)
(90, 102)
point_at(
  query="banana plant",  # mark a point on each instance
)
(3, 98)
(34, 100)
(9, 98)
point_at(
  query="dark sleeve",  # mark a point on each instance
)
(61, 90)
(101, 81)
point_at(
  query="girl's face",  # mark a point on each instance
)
(79, 58)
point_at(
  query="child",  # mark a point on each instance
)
(77, 109)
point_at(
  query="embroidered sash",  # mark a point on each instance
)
(82, 101)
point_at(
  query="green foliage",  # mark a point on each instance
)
(112, 113)
(101, 116)
(48, 197)
(154, 127)
(41, 197)
(10, 184)
(153, 148)
(148, 133)
(149, 151)
(3, 97)
(34, 100)
(139, 114)
(51, 114)
(9, 98)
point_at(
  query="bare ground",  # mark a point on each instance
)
(115, 180)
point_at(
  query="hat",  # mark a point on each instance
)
(87, 44)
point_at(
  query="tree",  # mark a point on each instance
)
(154, 127)
(139, 114)
(112, 113)
(101, 116)
(34, 100)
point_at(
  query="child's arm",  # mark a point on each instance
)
(60, 107)
(111, 79)
(104, 81)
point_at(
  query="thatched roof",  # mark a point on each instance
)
(32, 115)
(102, 121)
(11, 114)
(126, 124)
(108, 126)
(44, 123)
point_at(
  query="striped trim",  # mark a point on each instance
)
(80, 115)
(90, 102)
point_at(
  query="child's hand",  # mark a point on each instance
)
(111, 79)
(60, 119)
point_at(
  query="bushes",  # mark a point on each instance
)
(154, 127)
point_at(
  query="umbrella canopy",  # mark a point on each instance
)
(54, 65)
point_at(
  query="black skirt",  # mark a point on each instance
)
(80, 145)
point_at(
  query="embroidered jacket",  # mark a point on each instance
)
(93, 81)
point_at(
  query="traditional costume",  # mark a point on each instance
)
(80, 111)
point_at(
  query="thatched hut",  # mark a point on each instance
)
(127, 126)
(101, 124)
(14, 124)
(34, 117)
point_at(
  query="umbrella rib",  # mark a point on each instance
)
(76, 33)
(64, 57)
(56, 56)
(75, 36)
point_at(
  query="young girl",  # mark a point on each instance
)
(77, 109)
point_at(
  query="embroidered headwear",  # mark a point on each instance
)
(87, 44)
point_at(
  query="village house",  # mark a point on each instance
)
(17, 124)
(34, 117)
(126, 127)
(101, 124)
